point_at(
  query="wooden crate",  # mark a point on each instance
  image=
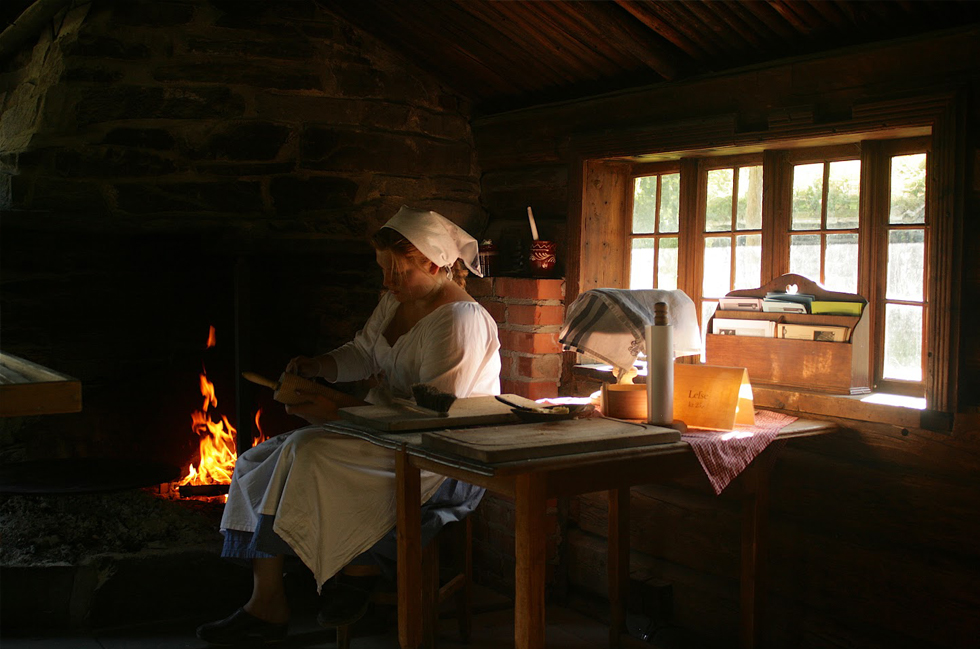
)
(836, 368)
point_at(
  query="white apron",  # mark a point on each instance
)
(333, 497)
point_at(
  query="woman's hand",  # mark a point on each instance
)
(304, 366)
(315, 408)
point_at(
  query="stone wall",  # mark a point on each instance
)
(166, 166)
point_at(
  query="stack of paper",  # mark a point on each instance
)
(822, 333)
(733, 327)
(740, 304)
(781, 306)
(802, 299)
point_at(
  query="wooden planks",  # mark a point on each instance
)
(527, 441)
(27, 388)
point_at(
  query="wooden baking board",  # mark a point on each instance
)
(471, 411)
(526, 441)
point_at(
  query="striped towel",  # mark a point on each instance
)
(609, 324)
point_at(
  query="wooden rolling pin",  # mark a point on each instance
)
(285, 389)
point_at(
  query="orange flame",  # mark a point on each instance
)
(212, 341)
(217, 445)
(261, 436)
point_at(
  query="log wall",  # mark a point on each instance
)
(874, 529)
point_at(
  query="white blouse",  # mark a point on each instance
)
(454, 349)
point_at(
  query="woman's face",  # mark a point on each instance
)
(406, 278)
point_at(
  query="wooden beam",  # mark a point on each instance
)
(677, 15)
(627, 36)
(559, 43)
(646, 15)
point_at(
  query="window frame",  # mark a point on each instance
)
(598, 172)
(872, 230)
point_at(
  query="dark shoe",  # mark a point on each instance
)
(241, 628)
(342, 605)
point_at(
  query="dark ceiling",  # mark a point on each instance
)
(507, 54)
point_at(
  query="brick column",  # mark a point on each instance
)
(529, 315)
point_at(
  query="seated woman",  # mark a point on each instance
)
(328, 498)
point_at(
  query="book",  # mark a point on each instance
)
(736, 327)
(781, 306)
(820, 333)
(740, 304)
(836, 308)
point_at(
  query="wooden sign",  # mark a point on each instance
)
(709, 396)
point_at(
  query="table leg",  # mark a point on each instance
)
(408, 493)
(755, 547)
(618, 562)
(531, 554)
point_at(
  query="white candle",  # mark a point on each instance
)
(534, 228)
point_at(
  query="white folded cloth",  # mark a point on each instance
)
(608, 324)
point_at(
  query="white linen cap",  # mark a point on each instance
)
(436, 237)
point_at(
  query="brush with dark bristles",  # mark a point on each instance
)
(429, 397)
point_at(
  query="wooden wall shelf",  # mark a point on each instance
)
(832, 367)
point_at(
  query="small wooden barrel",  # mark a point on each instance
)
(624, 400)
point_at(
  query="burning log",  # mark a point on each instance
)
(191, 490)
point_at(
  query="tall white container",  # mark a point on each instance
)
(660, 368)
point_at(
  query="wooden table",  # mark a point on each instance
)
(532, 482)
(27, 388)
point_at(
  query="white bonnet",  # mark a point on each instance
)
(436, 237)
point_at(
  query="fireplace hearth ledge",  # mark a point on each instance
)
(120, 590)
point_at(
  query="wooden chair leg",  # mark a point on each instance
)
(464, 598)
(343, 637)
(430, 593)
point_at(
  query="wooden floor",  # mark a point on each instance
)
(493, 628)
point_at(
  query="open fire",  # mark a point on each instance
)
(217, 436)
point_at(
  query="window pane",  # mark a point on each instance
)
(841, 267)
(718, 215)
(807, 196)
(906, 255)
(908, 189)
(804, 255)
(903, 342)
(667, 266)
(644, 204)
(748, 261)
(670, 192)
(717, 267)
(749, 215)
(843, 193)
(641, 264)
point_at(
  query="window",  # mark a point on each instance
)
(852, 217)
(654, 234)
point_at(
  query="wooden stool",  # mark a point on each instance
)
(456, 538)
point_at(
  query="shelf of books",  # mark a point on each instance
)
(793, 333)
